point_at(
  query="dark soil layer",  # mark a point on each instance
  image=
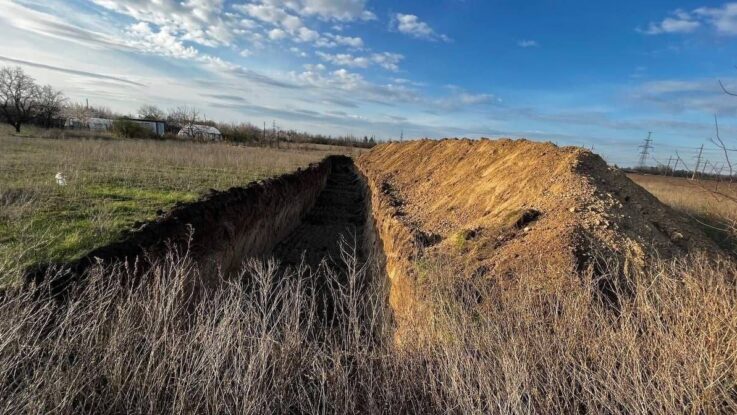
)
(220, 230)
(338, 215)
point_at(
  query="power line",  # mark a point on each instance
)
(646, 147)
(698, 162)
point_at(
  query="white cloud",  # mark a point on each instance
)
(528, 44)
(410, 24)
(386, 60)
(353, 42)
(340, 10)
(460, 98)
(277, 34)
(199, 21)
(676, 96)
(345, 59)
(677, 24)
(180, 29)
(723, 19)
(161, 42)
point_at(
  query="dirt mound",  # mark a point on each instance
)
(494, 206)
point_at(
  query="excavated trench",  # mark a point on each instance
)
(338, 218)
(301, 218)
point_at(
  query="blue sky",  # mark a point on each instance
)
(577, 72)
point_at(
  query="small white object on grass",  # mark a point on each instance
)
(60, 179)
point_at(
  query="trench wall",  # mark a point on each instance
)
(393, 246)
(222, 228)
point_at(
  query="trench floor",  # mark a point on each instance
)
(339, 214)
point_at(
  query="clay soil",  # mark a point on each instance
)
(495, 206)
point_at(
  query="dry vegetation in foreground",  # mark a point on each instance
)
(261, 345)
(111, 184)
(711, 204)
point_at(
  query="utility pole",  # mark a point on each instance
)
(698, 162)
(274, 138)
(646, 147)
(401, 136)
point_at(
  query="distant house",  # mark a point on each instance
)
(200, 132)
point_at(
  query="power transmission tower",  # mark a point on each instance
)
(698, 162)
(670, 160)
(646, 147)
(401, 136)
(274, 138)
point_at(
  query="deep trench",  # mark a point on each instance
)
(337, 221)
(304, 218)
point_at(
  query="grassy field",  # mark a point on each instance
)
(111, 184)
(711, 204)
(261, 345)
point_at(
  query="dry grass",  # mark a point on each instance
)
(262, 346)
(712, 204)
(271, 341)
(111, 184)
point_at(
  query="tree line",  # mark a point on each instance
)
(23, 101)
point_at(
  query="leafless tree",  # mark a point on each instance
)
(77, 111)
(185, 117)
(151, 112)
(19, 96)
(51, 103)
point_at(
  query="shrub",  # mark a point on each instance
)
(128, 129)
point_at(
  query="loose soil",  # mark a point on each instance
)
(492, 208)
(338, 215)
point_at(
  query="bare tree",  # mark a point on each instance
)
(185, 117)
(19, 96)
(51, 103)
(151, 112)
(77, 111)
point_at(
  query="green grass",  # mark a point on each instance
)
(111, 184)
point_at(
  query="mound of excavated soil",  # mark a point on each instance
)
(496, 205)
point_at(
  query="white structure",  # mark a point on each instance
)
(95, 124)
(200, 132)
(100, 124)
(104, 124)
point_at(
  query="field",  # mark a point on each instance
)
(111, 184)
(473, 302)
(711, 204)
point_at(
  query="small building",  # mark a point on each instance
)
(95, 124)
(105, 124)
(156, 127)
(200, 132)
(99, 124)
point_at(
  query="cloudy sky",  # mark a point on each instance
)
(577, 72)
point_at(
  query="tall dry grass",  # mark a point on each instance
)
(266, 344)
(711, 204)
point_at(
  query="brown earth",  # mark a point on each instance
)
(494, 207)
(220, 231)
